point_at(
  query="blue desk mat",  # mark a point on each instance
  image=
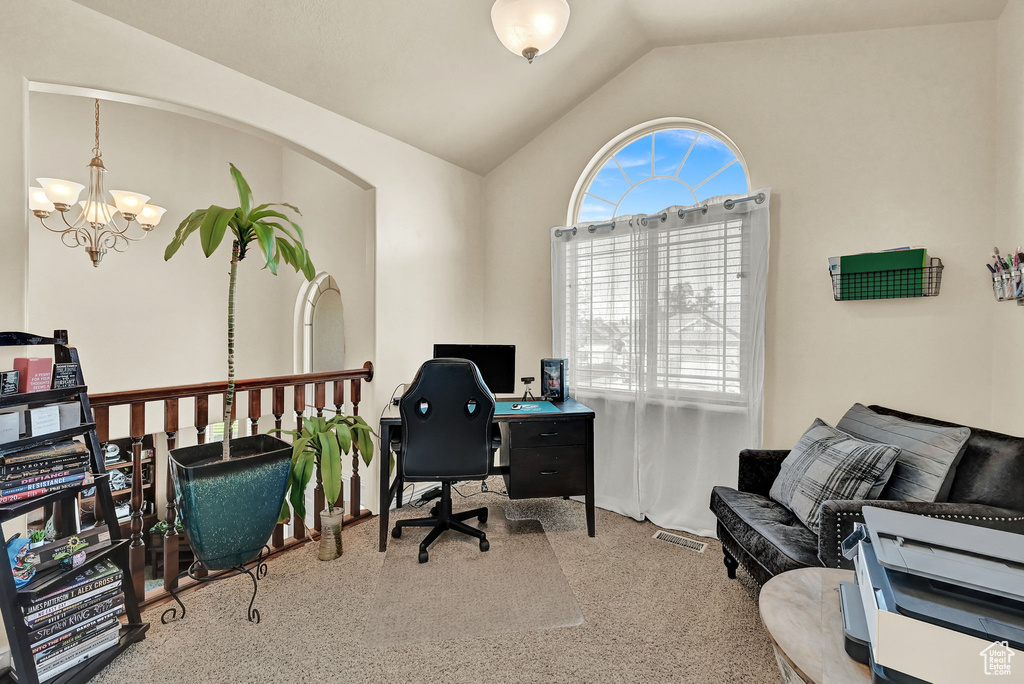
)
(504, 408)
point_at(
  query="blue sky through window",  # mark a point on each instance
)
(678, 166)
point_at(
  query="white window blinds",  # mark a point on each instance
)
(657, 307)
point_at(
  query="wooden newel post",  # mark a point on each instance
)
(356, 390)
(170, 516)
(137, 547)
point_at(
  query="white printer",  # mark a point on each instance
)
(935, 601)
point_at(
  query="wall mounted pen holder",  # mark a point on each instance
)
(1008, 286)
(891, 284)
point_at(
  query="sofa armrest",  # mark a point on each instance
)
(759, 468)
(838, 518)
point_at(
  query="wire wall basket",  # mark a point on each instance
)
(892, 284)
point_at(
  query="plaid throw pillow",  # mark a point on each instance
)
(829, 464)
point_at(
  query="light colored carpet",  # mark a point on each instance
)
(517, 585)
(653, 612)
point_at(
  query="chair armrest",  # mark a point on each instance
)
(838, 518)
(495, 440)
(759, 468)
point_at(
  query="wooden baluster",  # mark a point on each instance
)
(299, 397)
(229, 429)
(171, 535)
(355, 395)
(137, 547)
(201, 422)
(202, 417)
(319, 397)
(255, 410)
(319, 400)
(101, 415)
(278, 536)
(339, 405)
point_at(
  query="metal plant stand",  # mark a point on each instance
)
(256, 569)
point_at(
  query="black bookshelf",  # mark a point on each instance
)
(17, 631)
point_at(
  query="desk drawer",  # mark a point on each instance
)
(548, 433)
(551, 471)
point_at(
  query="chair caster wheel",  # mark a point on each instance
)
(484, 544)
(424, 556)
(433, 512)
(397, 532)
(482, 517)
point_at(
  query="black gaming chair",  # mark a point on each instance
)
(448, 435)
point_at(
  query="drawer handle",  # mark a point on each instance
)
(549, 472)
(548, 434)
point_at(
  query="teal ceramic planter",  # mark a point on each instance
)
(229, 508)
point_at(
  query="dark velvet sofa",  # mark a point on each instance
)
(766, 539)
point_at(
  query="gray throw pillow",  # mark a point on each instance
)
(829, 464)
(928, 456)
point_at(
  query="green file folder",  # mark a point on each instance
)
(883, 275)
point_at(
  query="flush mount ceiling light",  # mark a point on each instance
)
(530, 27)
(94, 227)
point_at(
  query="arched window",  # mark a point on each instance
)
(321, 338)
(663, 164)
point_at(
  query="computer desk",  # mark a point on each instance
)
(542, 455)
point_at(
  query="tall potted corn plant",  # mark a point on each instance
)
(230, 494)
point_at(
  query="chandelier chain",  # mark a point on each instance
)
(96, 148)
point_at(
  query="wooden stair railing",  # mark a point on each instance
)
(137, 402)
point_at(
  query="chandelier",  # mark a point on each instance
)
(94, 228)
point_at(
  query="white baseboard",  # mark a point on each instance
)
(413, 493)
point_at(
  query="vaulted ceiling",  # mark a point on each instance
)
(433, 74)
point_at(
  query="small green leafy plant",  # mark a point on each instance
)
(38, 536)
(260, 224)
(161, 527)
(320, 444)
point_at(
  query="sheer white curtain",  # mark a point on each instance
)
(662, 320)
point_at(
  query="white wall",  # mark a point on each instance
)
(137, 320)
(868, 140)
(427, 215)
(338, 218)
(1006, 327)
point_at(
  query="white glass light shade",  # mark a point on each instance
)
(61, 191)
(37, 200)
(150, 215)
(530, 27)
(97, 212)
(129, 202)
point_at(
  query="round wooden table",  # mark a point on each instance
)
(801, 612)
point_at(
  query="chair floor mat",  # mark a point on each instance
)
(518, 585)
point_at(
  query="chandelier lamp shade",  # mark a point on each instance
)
(94, 226)
(529, 27)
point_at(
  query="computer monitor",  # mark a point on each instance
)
(497, 362)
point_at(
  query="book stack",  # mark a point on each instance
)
(42, 470)
(72, 620)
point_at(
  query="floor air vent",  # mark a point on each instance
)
(678, 540)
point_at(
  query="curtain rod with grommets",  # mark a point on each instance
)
(759, 198)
